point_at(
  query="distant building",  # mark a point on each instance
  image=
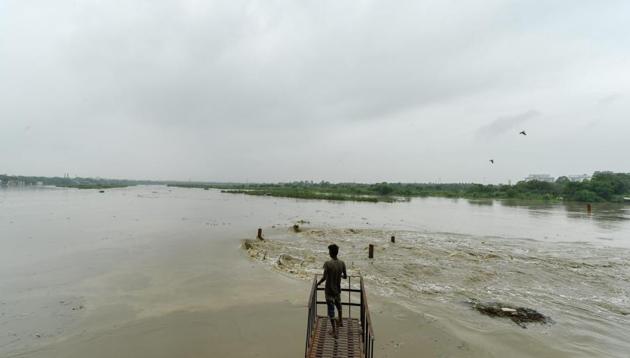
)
(581, 177)
(540, 177)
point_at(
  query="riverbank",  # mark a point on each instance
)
(92, 186)
(602, 187)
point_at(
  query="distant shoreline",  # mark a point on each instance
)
(603, 187)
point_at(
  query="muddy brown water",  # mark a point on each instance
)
(76, 263)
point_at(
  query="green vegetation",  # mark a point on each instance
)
(94, 186)
(308, 194)
(66, 182)
(292, 190)
(604, 186)
(192, 185)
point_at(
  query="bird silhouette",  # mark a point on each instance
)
(523, 133)
(492, 161)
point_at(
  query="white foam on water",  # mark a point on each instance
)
(578, 284)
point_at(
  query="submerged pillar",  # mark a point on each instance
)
(371, 252)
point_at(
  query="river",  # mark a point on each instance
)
(74, 262)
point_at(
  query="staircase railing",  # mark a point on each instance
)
(367, 334)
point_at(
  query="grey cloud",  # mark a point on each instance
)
(506, 124)
(610, 99)
(276, 64)
(241, 87)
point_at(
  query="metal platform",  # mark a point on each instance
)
(355, 338)
(348, 343)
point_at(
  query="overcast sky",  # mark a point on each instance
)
(366, 91)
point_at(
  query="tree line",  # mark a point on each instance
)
(603, 186)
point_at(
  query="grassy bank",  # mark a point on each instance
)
(279, 190)
(68, 182)
(93, 186)
(309, 194)
(603, 187)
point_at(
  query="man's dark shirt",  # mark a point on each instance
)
(333, 269)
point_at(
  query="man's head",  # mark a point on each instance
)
(333, 250)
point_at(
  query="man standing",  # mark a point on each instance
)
(334, 270)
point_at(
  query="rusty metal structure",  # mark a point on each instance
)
(356, 338)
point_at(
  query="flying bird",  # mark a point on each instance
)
(492, 161)
(523, 133)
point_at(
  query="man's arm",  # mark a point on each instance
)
(344, 274)
(323, 276)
